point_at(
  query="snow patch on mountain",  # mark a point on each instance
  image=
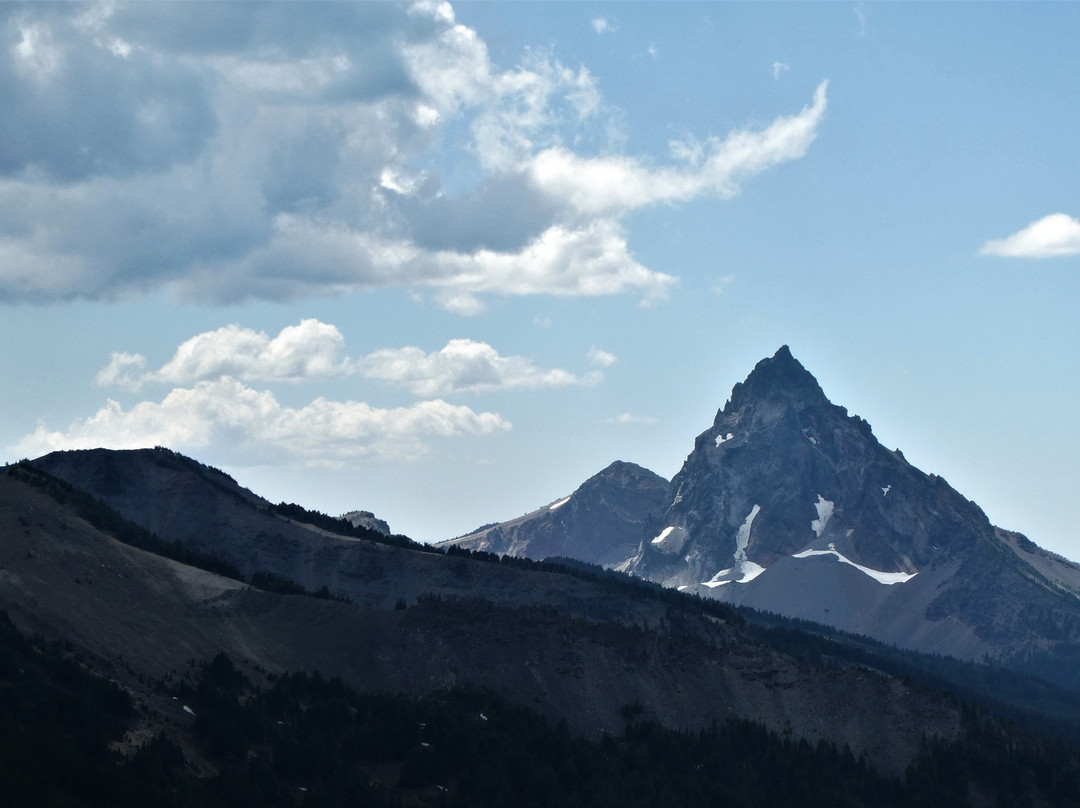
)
(670, 540)
(742, 538)
(747, 570)
(559, 504)
(824, 514)
(887, 578)
(663, 534)
(723, 438)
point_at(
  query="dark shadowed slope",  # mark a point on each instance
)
(139, 617)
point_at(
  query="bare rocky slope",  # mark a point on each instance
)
(573, 648)
(600, 523)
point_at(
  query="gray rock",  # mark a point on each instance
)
(367, 520)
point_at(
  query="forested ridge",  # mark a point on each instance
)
(301, 739)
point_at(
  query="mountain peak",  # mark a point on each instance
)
(784, 353)
(780, 376)
(600, 523)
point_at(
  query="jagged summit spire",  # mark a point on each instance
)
(779, 376)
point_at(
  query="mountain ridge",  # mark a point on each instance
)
(138, 617)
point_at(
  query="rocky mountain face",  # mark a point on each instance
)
(788, 503)
(601, 522)
(783, 471)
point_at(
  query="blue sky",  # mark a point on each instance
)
(446, 262)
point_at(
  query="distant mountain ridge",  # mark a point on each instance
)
(420, 620)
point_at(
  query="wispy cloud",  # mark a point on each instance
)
(721, 284)
(614, 185)
(230, 152)
(604, 359)
(602, 25)
(629, 419)
(862, 19)
(1054, 235)
(779, 69)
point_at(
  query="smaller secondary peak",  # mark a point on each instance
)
(624, 467)
(623, 474)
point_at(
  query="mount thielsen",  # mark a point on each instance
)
(789, 504)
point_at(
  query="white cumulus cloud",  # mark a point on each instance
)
(314, 351)
(464, 366)
(309, 351)
(1054, 235)
(214, 400)
(236, 151)
(252, 426)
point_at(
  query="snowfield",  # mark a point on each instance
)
(663, 535)
(888, 578)
(824, 514)
(747, 570)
